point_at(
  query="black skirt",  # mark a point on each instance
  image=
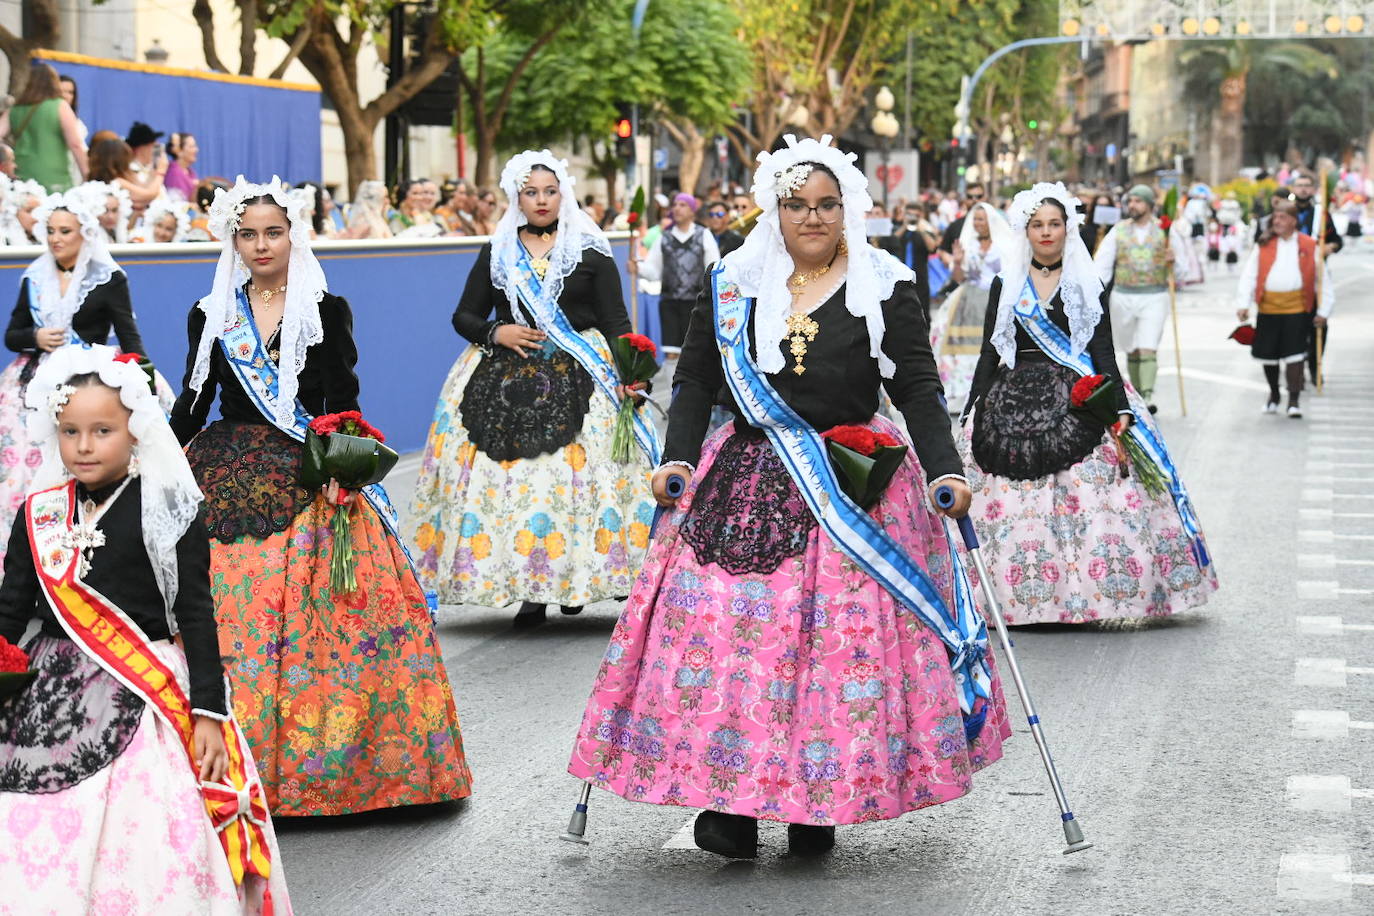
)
(522, 407)
(1025, 429)
(250, 475)
(1279, 337)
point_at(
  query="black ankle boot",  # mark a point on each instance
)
(572, 610)
(529, 615)
(733, 835)
(809, 840)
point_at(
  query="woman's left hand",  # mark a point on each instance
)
(963, 497)
(1125, 422)
(635, 391)
(211, 755)
(337, 495)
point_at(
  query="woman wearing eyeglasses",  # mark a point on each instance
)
(760, 670)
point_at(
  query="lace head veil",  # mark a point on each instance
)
(1080, 288)
(305, 287)
(94, 264)
(1002, 237)
(164, 207)
(171, 498)
(16, 194)
(576, 230)
(762, 265)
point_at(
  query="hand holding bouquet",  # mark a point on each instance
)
(864, 461)
(14, 669)
(344, 452)
(1095, 397)
(636, 364)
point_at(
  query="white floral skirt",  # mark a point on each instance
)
(570, 526)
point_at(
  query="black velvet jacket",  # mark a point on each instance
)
(121, 572)
(1100, 349)
(327, 382)
(106, 307)
(591, 298)
(840, 385)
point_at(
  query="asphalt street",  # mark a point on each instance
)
(1221, 761)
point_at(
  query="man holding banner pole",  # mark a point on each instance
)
(1314, 220)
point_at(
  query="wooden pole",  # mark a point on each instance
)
(1178, 351)
(1319, 235)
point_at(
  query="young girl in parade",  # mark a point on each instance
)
(344, 696)
(1084, 521)
(74, 291)
(519, 497)
(788, 654)
(125, 784)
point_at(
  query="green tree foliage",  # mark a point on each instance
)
(686, 72)
(1317, 113)
(1217, 76)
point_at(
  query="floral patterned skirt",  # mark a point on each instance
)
(345, 699)
(803, 694)
(132, 834)
(1083, 543)
(956, 336)
(19, 457)
(569, 527)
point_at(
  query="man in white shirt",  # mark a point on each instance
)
(679, 259)
(1280, 281)
(1136, 258)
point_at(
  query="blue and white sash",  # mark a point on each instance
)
(1050, 338)
(854, 531)
(549, 318)
(247, 356)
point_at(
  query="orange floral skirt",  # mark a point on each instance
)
(345, 699)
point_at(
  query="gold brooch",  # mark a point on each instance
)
(802, 330)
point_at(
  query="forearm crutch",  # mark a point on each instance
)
(1073, 833)
(675, 486)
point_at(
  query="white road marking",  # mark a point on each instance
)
(1217, 377)
(1328, 794)
(1330, 626)
(1325, 724)
(685, 836)
(1316, 536)
(1317, 591)
(1318, 495)
(1316, 514)
(1315, 876)
(1319, 672)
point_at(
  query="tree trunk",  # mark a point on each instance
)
(485, 144)
(46, 29)
(359, 153)
(1228, 128)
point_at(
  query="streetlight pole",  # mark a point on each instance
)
(885, 128)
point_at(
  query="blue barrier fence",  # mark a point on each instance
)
(402, 295)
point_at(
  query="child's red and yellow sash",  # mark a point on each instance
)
(237, 807)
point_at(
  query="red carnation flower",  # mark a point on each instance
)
(1165, 223)
(640, 343)
(883, 440)
(12, 658)
(134, 358)
(860, 439)
(1244, 335)
(632, 218)
(1084, 388)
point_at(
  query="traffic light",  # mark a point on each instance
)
(954, 143)
(624, 131)
(1033, 124)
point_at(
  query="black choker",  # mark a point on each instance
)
(1047, 269)
(542, 232)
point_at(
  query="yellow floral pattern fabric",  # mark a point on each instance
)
(570, 527)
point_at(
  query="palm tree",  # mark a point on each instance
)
(1221, 69)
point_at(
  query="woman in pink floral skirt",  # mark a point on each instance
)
(760, 670)
(1069, 533)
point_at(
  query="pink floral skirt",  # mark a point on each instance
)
(19, 457)
(131, 837)
(800, 693)
(1084, 543)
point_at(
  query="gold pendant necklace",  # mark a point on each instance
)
(267, 294)
(799, 280)
(801, 329)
